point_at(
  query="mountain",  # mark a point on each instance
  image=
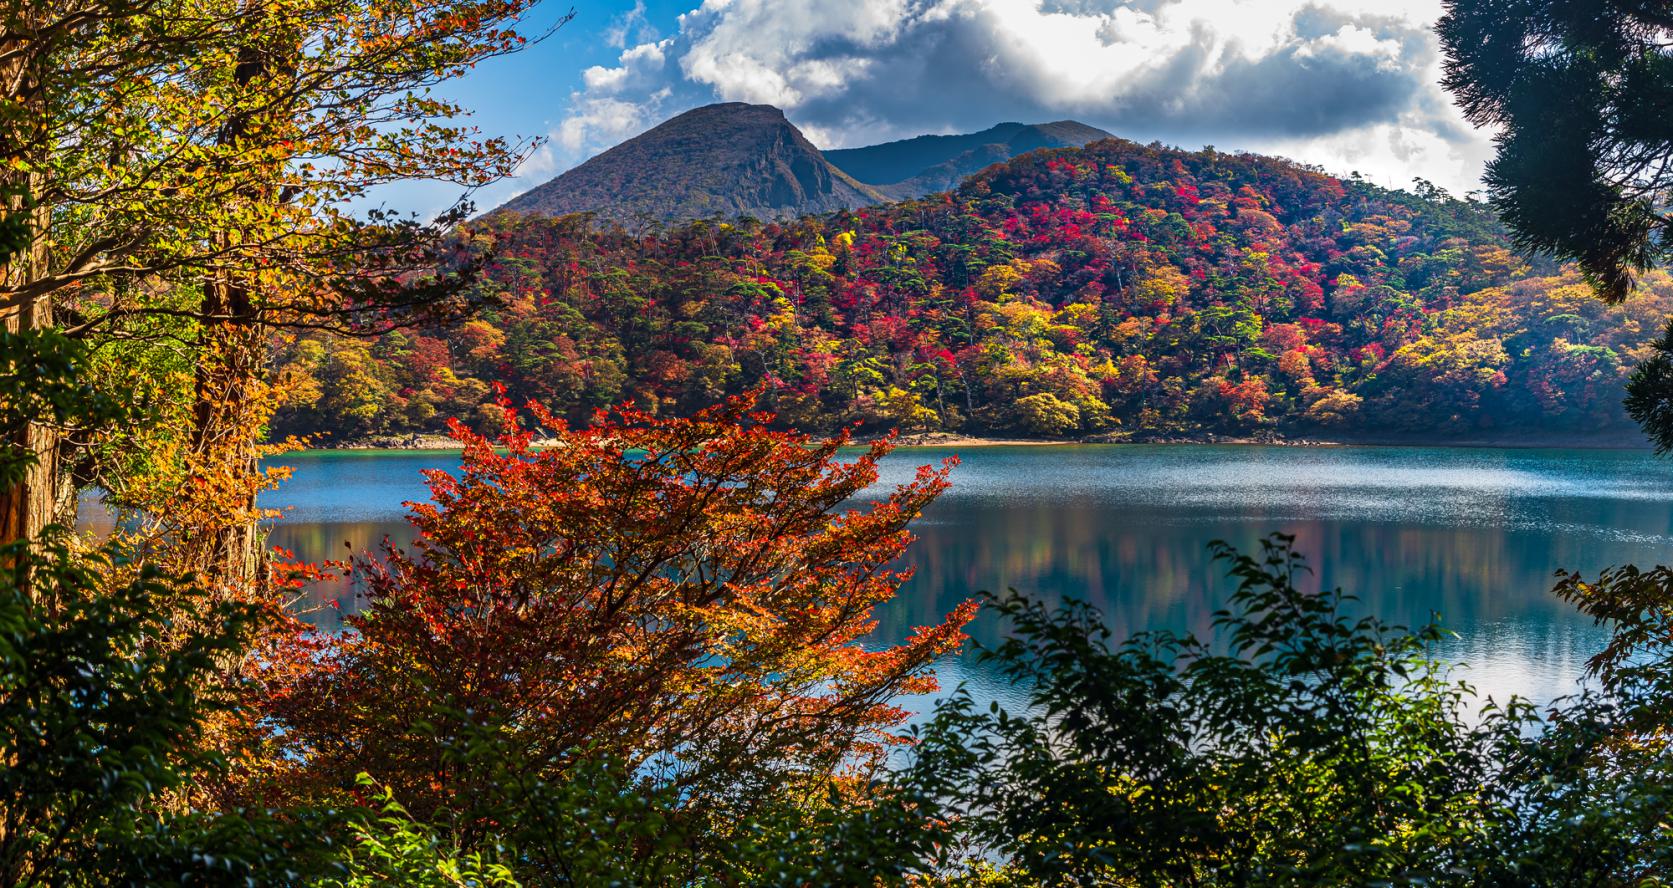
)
(927, 164)
(720, 160)
(734, 159)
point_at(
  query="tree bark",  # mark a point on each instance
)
(26, 508)
(227, 548)
(37, 500)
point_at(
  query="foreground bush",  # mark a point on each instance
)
(1304, 746)
(682, 597)
(111, 676)
(599, 823)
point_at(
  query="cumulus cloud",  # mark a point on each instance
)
(1345, 84)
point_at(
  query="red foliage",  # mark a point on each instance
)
(688, 594)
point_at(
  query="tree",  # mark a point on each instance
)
(218, 149)
(320, 101)
(686, 595)
(1650, 393)
(110, 677)
(1046, 414)
(1580, 91)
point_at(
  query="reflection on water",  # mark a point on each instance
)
(1474, 535)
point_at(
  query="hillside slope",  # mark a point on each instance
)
(1115, 288)
(721, 160)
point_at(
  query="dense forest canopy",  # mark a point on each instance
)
(1068, 292)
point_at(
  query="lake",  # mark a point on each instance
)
(1471, 534)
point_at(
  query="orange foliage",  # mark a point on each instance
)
(688, 594)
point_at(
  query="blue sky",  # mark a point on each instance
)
(527, 94)
(1348, 85)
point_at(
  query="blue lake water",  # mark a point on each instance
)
(1474, 535)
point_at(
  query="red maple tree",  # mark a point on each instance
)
(689, 596)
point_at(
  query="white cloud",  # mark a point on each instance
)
(1346, 84)
(602, 119)
(629, 25)
(637, 66)
(1352, 40)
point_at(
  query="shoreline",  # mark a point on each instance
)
(942, 440)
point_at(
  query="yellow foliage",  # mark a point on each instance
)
(997, 281)
(1046, 414)
(1163, 285)
(1334, 408)
(906, 412)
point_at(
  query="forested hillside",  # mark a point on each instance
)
(1068, 292)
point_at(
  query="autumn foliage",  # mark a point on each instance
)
(1113, 288)
(689, 596)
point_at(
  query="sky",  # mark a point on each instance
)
(1346, 85)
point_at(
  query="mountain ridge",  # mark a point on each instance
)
(913, 167)
(735, 159)
(1072, 293)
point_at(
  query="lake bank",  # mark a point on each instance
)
(1608, 441)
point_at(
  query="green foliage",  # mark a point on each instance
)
(1303, 746)
(108, 676)
(601, 822)
(43, 380)
(1593, 793)
(392, 848)
(14, 226)
(1300, 747)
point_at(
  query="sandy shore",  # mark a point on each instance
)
(924, 439)
(954, 439)
(405, 442)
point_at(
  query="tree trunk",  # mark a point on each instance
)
(31, 505)
(36, 501)
(229, 397)
(226, 546)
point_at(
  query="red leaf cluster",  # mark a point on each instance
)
(691, 595)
